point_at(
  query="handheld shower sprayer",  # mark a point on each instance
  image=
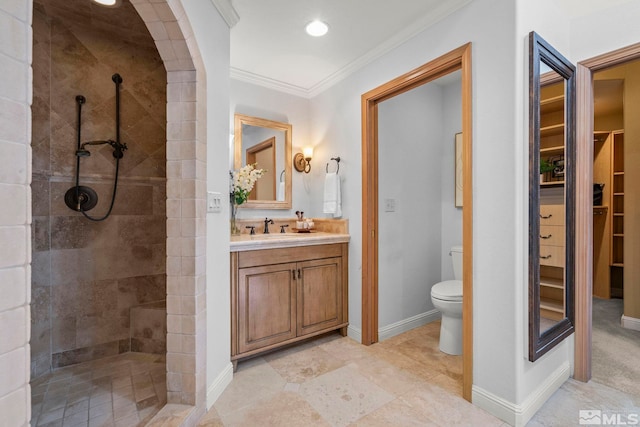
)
(81, 198)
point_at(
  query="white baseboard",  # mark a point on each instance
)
(405, 325)
(398, 327)
(219, 384)
(630, 323)
(354, 333)
(519, 415)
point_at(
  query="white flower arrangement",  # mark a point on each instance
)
(243, 181)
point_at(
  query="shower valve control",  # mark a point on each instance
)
(214, 202)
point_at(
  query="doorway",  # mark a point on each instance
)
(616, 202)
(458, 59)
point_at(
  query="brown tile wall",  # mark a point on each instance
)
(86, 276)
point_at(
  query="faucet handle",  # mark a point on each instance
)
(282, 228)
(267, 221)
(253, 229)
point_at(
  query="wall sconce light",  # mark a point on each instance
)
(302, 161)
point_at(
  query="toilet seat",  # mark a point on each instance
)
(449, 290)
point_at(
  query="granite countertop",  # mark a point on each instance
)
(247, 242)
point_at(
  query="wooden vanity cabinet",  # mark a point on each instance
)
(280, 296)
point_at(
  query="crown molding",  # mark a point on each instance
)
(256, 79)
(411, 31)
(227, 12)
(408, 33)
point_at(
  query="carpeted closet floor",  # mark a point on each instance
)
(616, 350)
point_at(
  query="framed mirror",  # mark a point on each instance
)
(551, 196)
(268, 144)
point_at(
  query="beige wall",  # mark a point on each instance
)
(15, 245)
(631, 75)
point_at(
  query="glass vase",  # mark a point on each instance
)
(235, 230)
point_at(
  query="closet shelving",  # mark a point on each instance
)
(617, 206)
(552, 131)
(608, 220)
(552, 227)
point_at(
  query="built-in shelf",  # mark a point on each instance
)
(618, 235)
(618, 173)
(552, 104)
(552, 150)
(551, 305)
(551, 282)
(617, 264)
(552, 184)
(618, 194)
(618, 214)
(552, 130)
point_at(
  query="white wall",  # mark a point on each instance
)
(336, 113)
(410, 151)
(265, 103)
(451, 215)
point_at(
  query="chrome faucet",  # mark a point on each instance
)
(267, 221)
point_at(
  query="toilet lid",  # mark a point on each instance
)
(449, 290)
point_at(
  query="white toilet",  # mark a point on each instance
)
(447, 298)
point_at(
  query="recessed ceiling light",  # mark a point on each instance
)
(317, 28)
(109, 3)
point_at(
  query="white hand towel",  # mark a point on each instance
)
(332, 203)
(280, 197)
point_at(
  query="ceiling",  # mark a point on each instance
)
(269, 46)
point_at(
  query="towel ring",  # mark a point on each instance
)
(281, 173)
(337, 159)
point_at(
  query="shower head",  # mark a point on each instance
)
(82, 153)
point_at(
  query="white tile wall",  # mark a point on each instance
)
(15, 217)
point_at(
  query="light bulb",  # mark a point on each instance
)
(317, 28)
(308, 153)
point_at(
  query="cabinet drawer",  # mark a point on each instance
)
(552, 255)
(551, 215)
(283, 255)
(552, 235)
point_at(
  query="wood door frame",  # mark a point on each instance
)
(584, 195)
(458, 59)
(250, 155)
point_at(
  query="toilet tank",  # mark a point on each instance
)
(456, 260)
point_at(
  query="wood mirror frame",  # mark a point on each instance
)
(281, 157)
(561, 71)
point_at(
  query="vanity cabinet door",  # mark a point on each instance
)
(266, 305)
(319, 294)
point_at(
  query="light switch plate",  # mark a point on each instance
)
(389, 205)
(214, 202)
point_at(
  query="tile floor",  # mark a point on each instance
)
(403, 381)
(334, 381)
(331, 381)
(124, 390)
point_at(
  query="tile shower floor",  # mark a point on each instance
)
(124, 390)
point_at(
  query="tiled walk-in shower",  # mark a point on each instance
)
(98, 311)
